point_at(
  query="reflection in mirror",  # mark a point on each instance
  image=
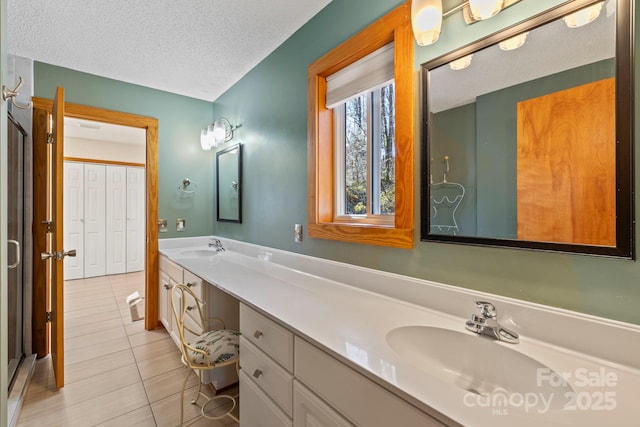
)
(520, 135)
(229, 184)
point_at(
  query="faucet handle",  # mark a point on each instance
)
(487, 310)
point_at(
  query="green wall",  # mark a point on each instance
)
(270, 103)
(180, 120)
(457, 141)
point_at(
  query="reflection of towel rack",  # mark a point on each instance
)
(186, 184)
(445, 200)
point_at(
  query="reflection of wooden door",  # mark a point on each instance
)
(48, 232)
(566, 176)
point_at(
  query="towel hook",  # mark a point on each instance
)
(11, 94)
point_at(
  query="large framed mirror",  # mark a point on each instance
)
(229, 184)
(527, 135)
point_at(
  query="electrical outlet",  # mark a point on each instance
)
(297, 233)
(180, 224)
(162, 225)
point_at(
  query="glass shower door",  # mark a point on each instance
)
(15, 233)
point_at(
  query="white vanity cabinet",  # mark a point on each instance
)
(352, 395)
(310, 411)
(215, 304)
(170, 274)
(266, 381)
(289, 381)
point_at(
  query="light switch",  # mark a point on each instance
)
(297, 233)
(162, 225)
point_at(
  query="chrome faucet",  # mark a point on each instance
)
(215, 243)
(487, 324)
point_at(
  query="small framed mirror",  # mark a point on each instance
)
(229, 184)
(527, 135)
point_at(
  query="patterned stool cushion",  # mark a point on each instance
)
(220, 345)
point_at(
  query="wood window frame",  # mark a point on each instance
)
(393, 27)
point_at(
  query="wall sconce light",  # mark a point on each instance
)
(217, 133)
(583, 16)
(427, 15)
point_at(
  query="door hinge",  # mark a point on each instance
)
(50, 138)
(49, 226)
(48, 317)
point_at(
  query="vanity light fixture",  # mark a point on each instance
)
(462, 63)
(217, 133)
(426, 20)
(514, 42)
(583, 16)
(427, 15)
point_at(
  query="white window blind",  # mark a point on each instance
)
(371, 72)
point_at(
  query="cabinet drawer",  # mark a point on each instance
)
(257, 410)
(309, 410)
(194, 283)
(270, 337)
(356, 397)
(172, 269)
(267, 374)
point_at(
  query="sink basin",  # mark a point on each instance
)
(197, 253)
(478, 364)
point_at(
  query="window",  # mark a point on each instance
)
(365, 157)
(361, 136)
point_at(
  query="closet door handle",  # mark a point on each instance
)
(62, 254)
(15, 264)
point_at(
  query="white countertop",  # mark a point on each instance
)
(353, 323)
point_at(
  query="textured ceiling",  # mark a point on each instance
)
(197, 48)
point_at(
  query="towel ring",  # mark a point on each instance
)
(186, 183)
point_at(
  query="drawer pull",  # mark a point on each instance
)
(189, 284)
(167, 286)
(257, 334)
(190, 307)
(257, 373)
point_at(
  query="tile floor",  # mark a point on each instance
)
(116, 373)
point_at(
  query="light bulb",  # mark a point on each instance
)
(485, 9)
(204, 141)
(583, 16)
(426, 20)
(218, 132)
(462, 63)
(514, 42)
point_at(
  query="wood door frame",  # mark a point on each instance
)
(150, 124)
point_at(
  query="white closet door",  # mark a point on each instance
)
(74, 219)
(135, 219)
(94, 217)
(116, 221)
